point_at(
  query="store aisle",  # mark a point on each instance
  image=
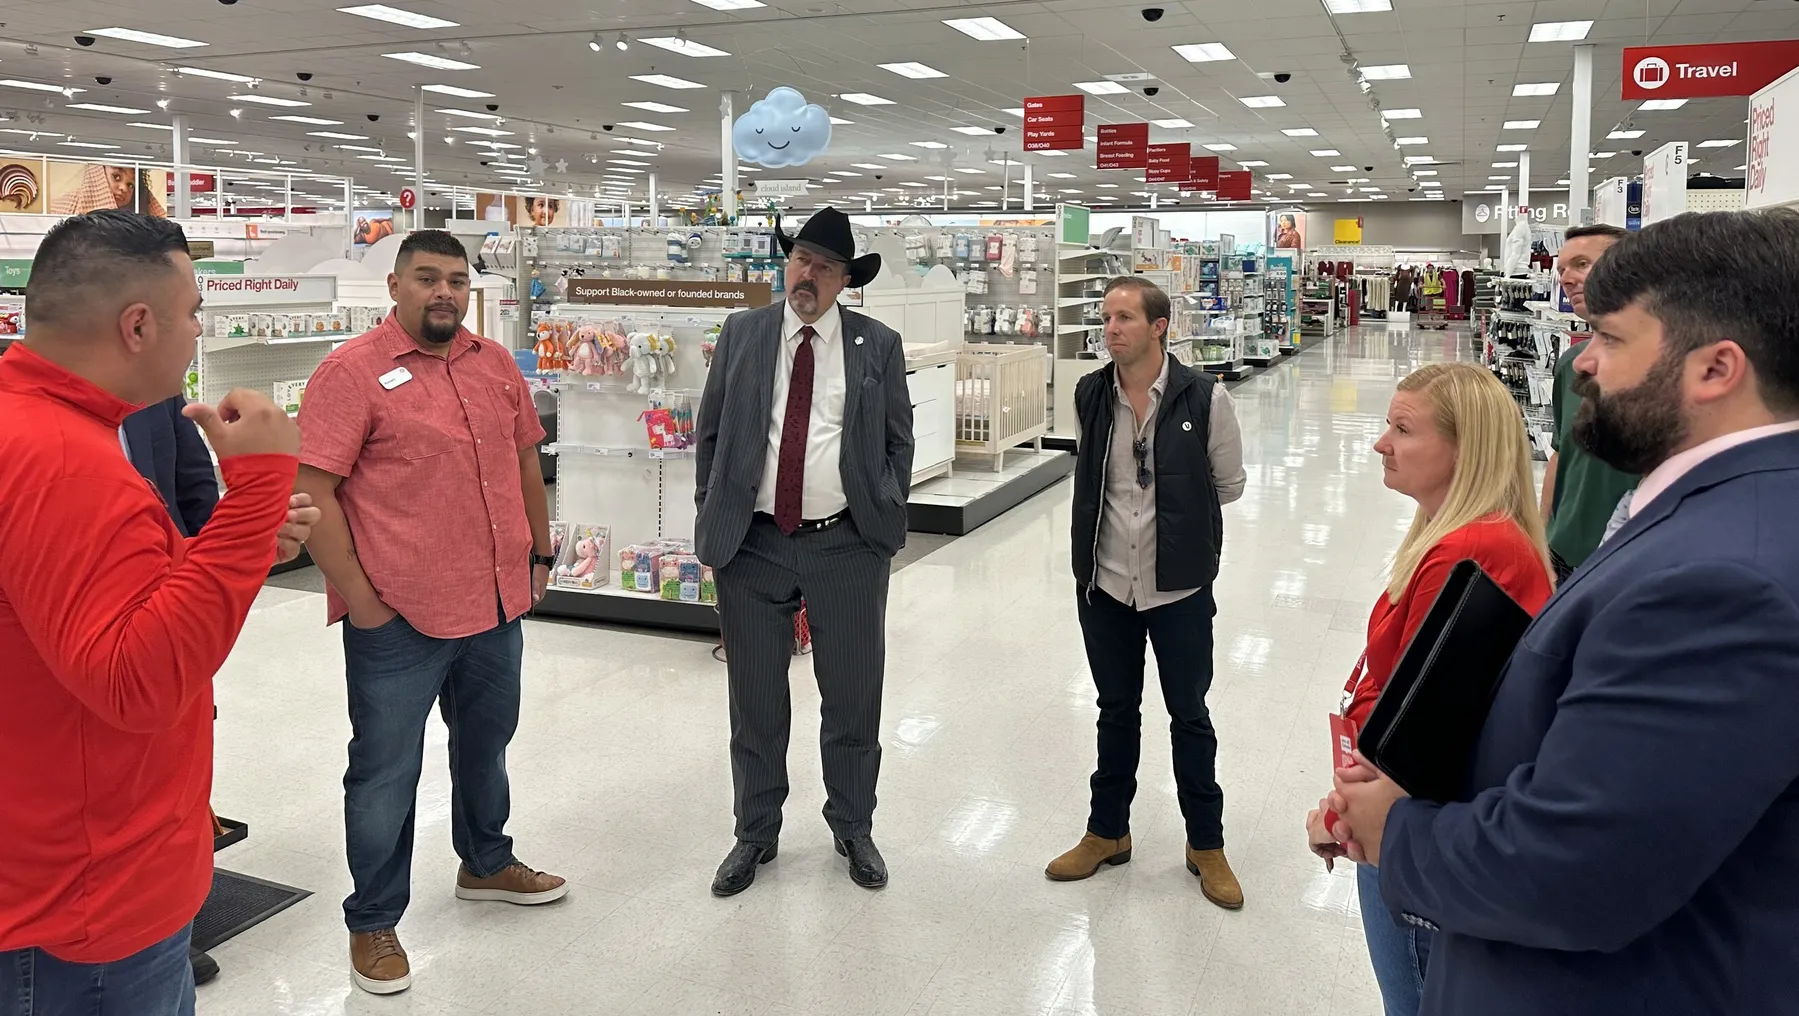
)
(621, 783)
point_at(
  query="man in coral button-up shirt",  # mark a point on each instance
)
(419, 444)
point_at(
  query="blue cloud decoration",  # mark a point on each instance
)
(781, 130)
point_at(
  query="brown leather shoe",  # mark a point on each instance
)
(515, 883)
(1216, 879)
(1086, 857)
(378, 964)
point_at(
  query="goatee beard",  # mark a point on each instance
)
(1637, 429)
(437, 335)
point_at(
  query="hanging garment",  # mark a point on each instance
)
(1467, 290)
(1452, 289)
(1402, 288)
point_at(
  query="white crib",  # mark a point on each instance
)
(1002, 399)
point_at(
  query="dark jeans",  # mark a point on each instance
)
(1182, 635)
(395, 674)
(1400, 953)
(157, 981)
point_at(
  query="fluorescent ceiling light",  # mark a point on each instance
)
(211, 141)
(984, 29)
(86, 144)
(1514, 148)
(201, 72)
(1342, 169)
(684, 46)
(38, 86)
(1499, 178)
(1107, 186)
(1412, 141)
(1537, 88)
(1101, 87)
(970, 170)
(1204, 52)
(489, 132)
(313, 120)
(1400, 114)
(359, 148)
(1006, 162)
(1173, 125)
(1600, 155)
(1424, 172)
(841, 172)
(975, 131)
(460, 93)
(926, 144)
(1357, 6)
(1721, 143)
(1251, 163)
(101, 108)
(1299, 132)
(627, 162)
(1326, 153)
(898, 157)
(1280, 176)
(268, 100)
(334, 134)
(1262, 101)
(644, 125)
(838, 121)
(634, 153)
(1625, 135)
(1370, 190)
(1063, 176)
(913, 70)
(395, 16)
(1663, 104)
(1221, 146)
(39, 134)
(1505, 165)
(147, 38)
(1387, 72)
(153, 126)
(1560, 31)
(868, 165)
(656, 107)
(440, 63)
(1520, 125)
(865, 99)
(1430, 183)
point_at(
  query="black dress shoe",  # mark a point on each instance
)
(205, 967)
(867, 869)
(739, 868)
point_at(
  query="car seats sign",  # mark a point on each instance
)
(1705, 71)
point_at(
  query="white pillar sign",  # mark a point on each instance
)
(1665, 182)
(1773, 173)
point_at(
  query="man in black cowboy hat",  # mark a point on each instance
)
(804, 464)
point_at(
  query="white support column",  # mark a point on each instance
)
(289, 181)
(1505, 215)
(349, 218)
(184, 191)
(418, 159)
(655, 203)
(1155, 199)
(1030, 190)
(1524, 179)
(1580, 195)
(727, 200)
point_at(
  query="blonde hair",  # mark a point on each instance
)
(1492, 473)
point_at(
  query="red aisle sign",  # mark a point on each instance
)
(1053, 122)
(1706, 71)
(1167, 163)
(197, 183)
(1234, 186)
(1047, 139)
(1122, 146)
(408, 197)
(1202, 173)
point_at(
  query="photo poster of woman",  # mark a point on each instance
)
(373, 225)
(78, 187)
(534, 210)
(1287, 229)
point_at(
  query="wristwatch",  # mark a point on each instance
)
(544, 559)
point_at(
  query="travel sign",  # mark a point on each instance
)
(1707, 71)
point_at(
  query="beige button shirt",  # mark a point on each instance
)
(1126, 556)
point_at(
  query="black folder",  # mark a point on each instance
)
(1424, 725)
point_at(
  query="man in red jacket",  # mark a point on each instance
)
(112, 624)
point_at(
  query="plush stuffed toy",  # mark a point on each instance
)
(668, 358)
(586, 352)
(640, 363)
(654, 359)
(586, 554)
(548, 357)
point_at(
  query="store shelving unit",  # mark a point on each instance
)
(225, 361)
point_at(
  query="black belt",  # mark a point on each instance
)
(812, 525)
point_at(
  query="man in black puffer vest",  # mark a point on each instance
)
(1159, 454)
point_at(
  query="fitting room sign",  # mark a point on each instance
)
(666, 293)
(1053, 122)
(1122, 146)
(1706, 71)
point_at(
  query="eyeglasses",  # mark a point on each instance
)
(1140, 449)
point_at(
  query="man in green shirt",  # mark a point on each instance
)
(1579, 491)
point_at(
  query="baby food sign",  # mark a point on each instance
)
(781, 130)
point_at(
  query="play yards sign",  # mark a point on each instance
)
(1706, 71)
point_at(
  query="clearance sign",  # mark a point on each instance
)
(1706, 71)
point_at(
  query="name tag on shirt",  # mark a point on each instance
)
(395, 378)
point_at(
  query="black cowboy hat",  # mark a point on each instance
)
(827, 232)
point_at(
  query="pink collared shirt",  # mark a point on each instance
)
(430, 461)
(1670, 472)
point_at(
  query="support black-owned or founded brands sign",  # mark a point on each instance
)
(669, 293)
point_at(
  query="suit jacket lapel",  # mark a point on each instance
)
(855, 363)
(764, 360)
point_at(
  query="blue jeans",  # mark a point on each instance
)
(395, 674)
(157, 981)
(1400, 952)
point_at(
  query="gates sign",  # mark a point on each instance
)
(1706, 71)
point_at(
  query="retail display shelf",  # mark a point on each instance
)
(960, 504)
(1076, 301)
(612, 605)
(1062, 280)
(572, 448)
(1071, 329)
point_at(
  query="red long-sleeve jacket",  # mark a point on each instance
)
(111, 628)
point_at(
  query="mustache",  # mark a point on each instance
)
(806, 287)
(1585, 386)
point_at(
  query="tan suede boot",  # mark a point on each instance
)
(1086, 857)
(1216, 879)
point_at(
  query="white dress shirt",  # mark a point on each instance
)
(823, 494)
(1665, 475)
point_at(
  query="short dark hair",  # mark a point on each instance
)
(1156, 305)
(1596, 229)
(84, 255)
(428, 241)
(1711, 276)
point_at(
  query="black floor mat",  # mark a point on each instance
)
(238, 903)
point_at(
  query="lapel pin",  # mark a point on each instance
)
(1186, 424)
(858, 340)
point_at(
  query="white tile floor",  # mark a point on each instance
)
(621, 783)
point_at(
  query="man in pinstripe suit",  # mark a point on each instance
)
(804, 464)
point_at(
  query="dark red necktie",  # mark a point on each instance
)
(790, 475)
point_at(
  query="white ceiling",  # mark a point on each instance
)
(556, 94)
